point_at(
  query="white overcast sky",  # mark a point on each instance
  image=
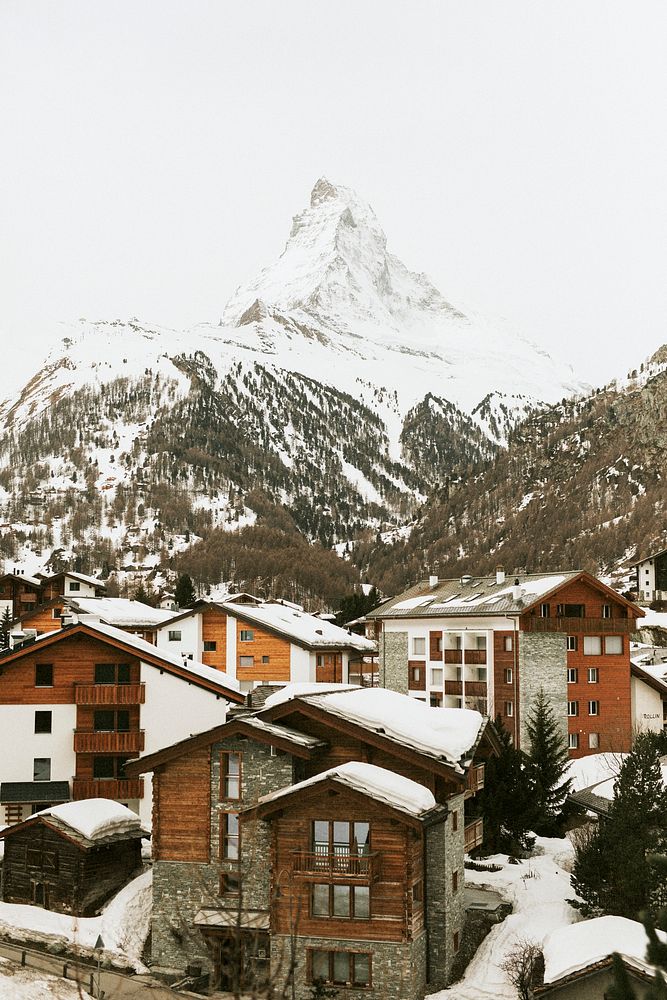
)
(153, 154)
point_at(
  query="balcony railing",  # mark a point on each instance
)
(572, 626)
(107, 788)
(109, 694)
(473, 835)
(475, 656)
(475, 779)
(364, 867)
(476, 689)
(131, 741)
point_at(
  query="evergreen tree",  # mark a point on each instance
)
(185, 591)
(506, 801)
(5, 627)
(144, 596)
(613, 873)
(548, 758)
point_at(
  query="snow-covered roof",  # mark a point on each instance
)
(33, 581)
(378, 783)
(144, 650)
(593, 768)
(93, 820)
(471, 595)
(91, 580)
(577, 946)
(284, 732)
(301, 627)
(119, 611)
(443, 733)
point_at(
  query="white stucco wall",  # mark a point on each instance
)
(646, 707)
(20, 744)
(302, 664)
(231, 646)
(81, 589)
(191, 636)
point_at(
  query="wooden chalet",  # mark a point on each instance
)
(72, 858)
(329, 840)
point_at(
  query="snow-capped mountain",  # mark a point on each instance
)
(338, 383)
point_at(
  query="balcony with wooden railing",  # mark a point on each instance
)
(473, 835)
(475, 779)
(574, 626)
(472, 656)
(357, 867)
(109, 694)
(476, 689)
(108, 788)
(128, 741)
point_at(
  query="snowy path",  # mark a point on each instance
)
(537, 889)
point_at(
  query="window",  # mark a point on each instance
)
(247, 635)
(230, 775)
(337, 900)
(613, 644)
(592, 645)
(419, 646)
(572, 643)
(508, 675)
(346, 844)
(266, 659)
(573, 741)
(246, 661)
(112, 673)
(435, 700)
(174, 635)
(41, 769)
(545, 610)
(418, 892)
(43, 722)
(57, 612)
(573, 708)
(456, 940)
(108, 720)
(229, 835)
(109, 767)
(455, 821)
(593, 741)
(606, 610)
(509, 708)
(210, 646)
(593, 675)
(74, 587)
(594, 708)
(416, 673)
(572, 675)
(455, 881)
(43, 675)
(230, 883)
(437, 676)
(341, 968)
(508, 643)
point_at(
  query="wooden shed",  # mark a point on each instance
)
(73, 857)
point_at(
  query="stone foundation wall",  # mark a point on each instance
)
(445, 909)
(394, 661)
(398, 969)
(179, 889)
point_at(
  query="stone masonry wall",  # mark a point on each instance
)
(179, 890)
(543, 664)
(445, 909)
(394, 661)
(398, 970)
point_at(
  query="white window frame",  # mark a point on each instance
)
(572, 675)
(615, 652)
(572, 643)
(573, 709)
(508, 675)
(416, 650)
(594, 707)
(174, 635)
(588, 642)
(573, 741)
(593, 741)
(509, 709)
(593, 675)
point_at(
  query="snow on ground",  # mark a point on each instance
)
(537, 889)
(123, 924)
(29, 984)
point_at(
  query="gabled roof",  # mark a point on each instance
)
(400, 795)
(483, 596)
(284, 620)
(194, 673)
(88, 823)
(446, 737)
(119, 611)
(642, 674)
(282, 737)
(22, 578)
(81, 577)
(572, 950)
(649, 555)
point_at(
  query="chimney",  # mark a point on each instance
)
(433, 581)
(517, 590)
(500, 574)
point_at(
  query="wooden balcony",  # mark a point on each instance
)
(107, 788)
(574, 626)
(473, 835)
(131, 741)
(475, 689)
(109, 694)
(474, 656)
(475, 779)
(358, 867)
(453, 656)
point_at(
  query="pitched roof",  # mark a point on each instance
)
(649, 555)
(481, 596)
(119, 611)
(188, 670)
(402, 794)
(34, 791)
(574, 948)
(449, 735)
(283, 737)
(89, 822)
